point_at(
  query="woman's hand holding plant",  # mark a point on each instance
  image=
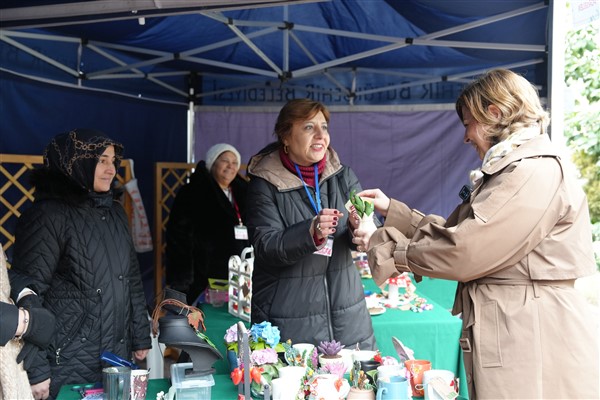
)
(379, 200)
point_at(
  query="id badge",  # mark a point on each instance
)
(240, 232)
(326, 250)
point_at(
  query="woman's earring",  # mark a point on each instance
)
(285, 149)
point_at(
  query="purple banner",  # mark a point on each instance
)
(417, 157)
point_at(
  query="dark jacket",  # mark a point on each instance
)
(309, 297)
(200, 236)
(9, 314)
(77, 250)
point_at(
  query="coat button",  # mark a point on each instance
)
(83, 340)
(103, 218)
(122, 340)
(99, 291)
(120, 277)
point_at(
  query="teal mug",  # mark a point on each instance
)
(396, 389)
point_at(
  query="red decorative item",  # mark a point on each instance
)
(378, 358)
(237, 375)
(392, 281)
(256, 373)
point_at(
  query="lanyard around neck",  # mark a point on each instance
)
(316, 206)
(235, 207)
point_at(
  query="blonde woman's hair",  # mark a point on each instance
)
(516, 98)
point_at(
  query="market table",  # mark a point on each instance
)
(433, 334)
(223, 389)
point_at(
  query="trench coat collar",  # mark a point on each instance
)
(539, 146)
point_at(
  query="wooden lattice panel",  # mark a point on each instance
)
(16, 194)
(169, 177)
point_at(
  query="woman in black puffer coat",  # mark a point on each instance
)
(74, 245)
(296, 212)
(205, 213)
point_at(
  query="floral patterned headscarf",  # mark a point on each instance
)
(75, 154)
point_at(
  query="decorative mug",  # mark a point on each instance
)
(328, 386)
(304, 350)
(285, 388)
(293, 372)
(396, 388)
(445, 375)
(415, 369)
(385, 372)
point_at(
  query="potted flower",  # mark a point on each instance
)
(262, 336)
(330, 352)
(265, 363)
(360, 386)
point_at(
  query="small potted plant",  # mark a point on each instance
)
(329, 352)
(361, 388)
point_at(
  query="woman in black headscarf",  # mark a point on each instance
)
(74, 246)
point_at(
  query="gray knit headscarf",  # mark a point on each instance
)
(75, 154)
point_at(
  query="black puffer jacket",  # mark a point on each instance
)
(200, 237)
(309, 297)
(78, 252)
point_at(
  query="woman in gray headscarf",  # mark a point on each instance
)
(74, 246)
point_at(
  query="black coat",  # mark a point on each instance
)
(200, 236)
(77, 250)
(9, 314)
(309, 297)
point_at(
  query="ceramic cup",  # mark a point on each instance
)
(445, 375)
(385, 372)
(283, 388)
(292, 372)
(363, 355)
(396, 388)
(347, 358)
(415, 369)
(116, 382)
(139, 383)
(305, 350)
(329, 386)
(367, 366)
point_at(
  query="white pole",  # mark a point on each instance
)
(556, 76)
(190, 129)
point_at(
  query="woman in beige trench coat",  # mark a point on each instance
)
(516, 245)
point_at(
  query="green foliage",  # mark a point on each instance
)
(582, 126)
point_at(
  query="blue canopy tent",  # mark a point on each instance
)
(139, 70)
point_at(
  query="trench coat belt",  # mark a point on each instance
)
(466, 297)
(464, 301)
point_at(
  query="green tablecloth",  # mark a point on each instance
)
(441, 291)
(433, 335)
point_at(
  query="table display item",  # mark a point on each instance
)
(240, 284)
(117, 361)
(139, 384)
(396, 388)
(244, 382)
(116, 382)
(217, 292)
(364, 208)
(183, 328)
(188, 384)
(415, 369)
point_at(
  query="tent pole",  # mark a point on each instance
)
(556, 67)
(190, 123)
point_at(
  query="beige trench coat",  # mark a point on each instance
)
(516, 247)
